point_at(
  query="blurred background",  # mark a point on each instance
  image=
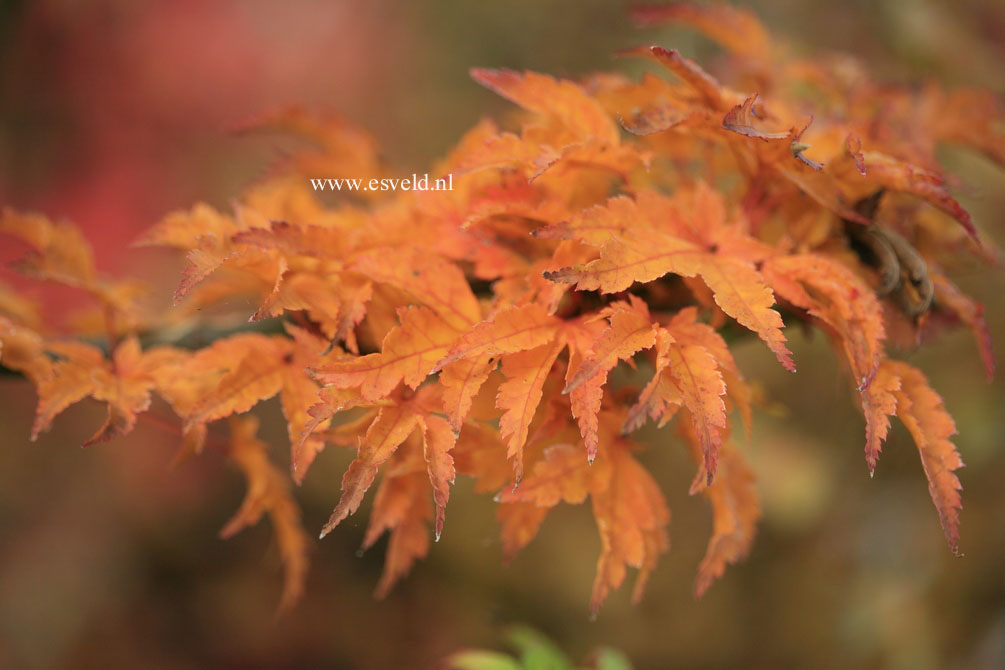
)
(115, 112)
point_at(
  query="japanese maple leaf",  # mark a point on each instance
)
(60, 253)
(403, 509)
(268, 493)
(124, 383)
(408, 354)
(736, 509)
(574, 130)
(595, 352)
(737, 286)
(632, 517)
(903, 389)
(235, 374)
(390, 427)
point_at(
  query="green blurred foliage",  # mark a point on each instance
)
(535, 652)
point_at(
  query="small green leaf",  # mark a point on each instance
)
(477, 659)
(608, 658)
(536, 651)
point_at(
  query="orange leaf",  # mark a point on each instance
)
(402, 507)
(879, 402)
(258, 375)
(736, 509)
(898, 175)
(735, 28)
(306, 445)
(585, 400)
(661, 397)
(409, 353)
(742, 119)
(433, 281)
(511, 330)
(520, 523)
(520, 394)
(697, 375)
(268, 491)
(438, 439)
(632, 517)
(461, 381)
(838, 298)
(921, 411)
(61, 252)
(124, 383)
(389, 429)
(563, 101)
(738, 288)
(689, 71)
(23, 350)
(631, 331)
(687, 329)
(970, 312)
(561, 476)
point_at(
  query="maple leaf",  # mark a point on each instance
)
(235, 374)
(519, 525)
(741, 120)
(22, 349)
(632, 516)
(735, 28)
(898, 175)
(576, 130)
(784, 152)
(630, 331)
(206, 236)
(389, 429)
(401, 507)
(438, 439)
(409, 353)
(560, 476)
(970, 312)
(19, 309)
(325, 404)
(690, 72)
(519, 396)
(687, 329)
(921, 411)
(461, 381)
(840, 299)
(735, 511)
(250, 368)
(268, 492)
(433, 281)
(511, 330)
(738, 288)
(563, 101)
(339, 148)
(480, 453)
(879, 402)
(661, 397)
(60, 253)
(60, 250)
(696, 373)
(124, 383)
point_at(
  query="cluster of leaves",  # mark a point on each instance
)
(582, 278)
